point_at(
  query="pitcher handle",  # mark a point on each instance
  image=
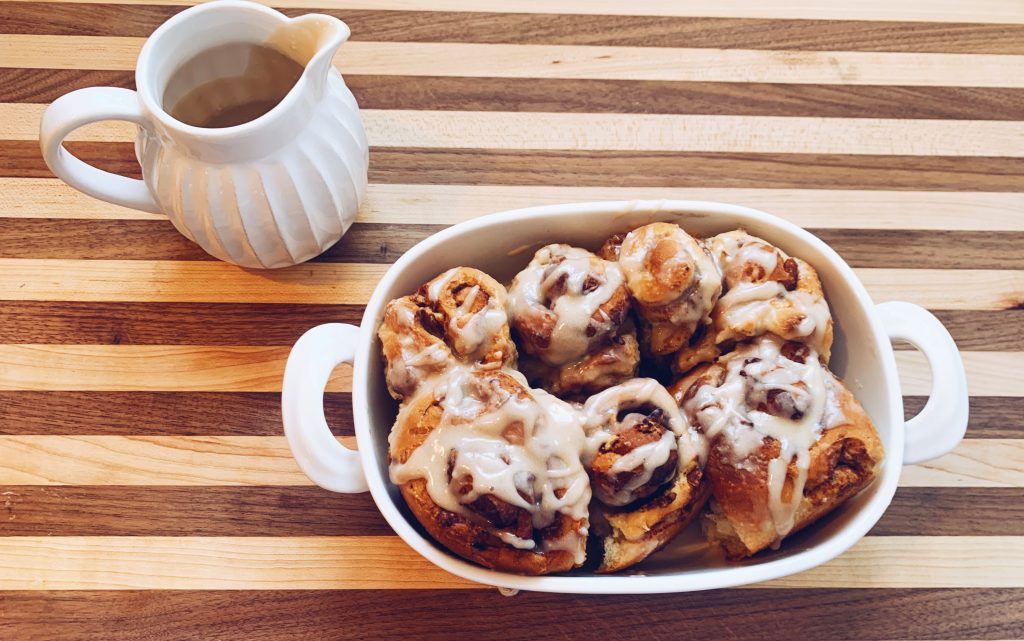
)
(79, 108)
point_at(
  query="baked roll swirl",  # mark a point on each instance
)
(675, 284)
(645, 466)
(569, 310)
(767, 291)
(458, 317)
(788, 442)
(491, 470)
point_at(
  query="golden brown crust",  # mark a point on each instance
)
(675, 284)
(843, 462)
(701, 349)
(607, 366)
(639, 530)
(611, 247)
(533, 314)
(479, 543)
(458, 317)
(475, 533)
(784, 315)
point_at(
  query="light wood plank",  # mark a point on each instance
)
(259, 369)
(978, 11)
(836, 209)
(920, 562)
(51, 198)
(265, 460)
(385, 562)
(352, 283)
(567, 61)
(988, 373)
(450, 204)
(195, 281)
(150, 460)
(974, 463)
(149, 368)
(946, 289)
(59, 563)
(631, 132)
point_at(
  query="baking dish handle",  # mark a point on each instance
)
(940, 426)
(325, 461)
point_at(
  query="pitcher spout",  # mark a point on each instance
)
(313, 39)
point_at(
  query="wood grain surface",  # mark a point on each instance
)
(146, 490)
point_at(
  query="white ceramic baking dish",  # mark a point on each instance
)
(501, 244)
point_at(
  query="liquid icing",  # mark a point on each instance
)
(518, 445)
(601, 424)
(574, 310)
(691, 302)
(754, 375)
(471, 332)
(748, 301)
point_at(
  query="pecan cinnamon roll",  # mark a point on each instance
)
(767, 291)
(458, 317)
(788, 442)
(569, 310)
(675, 284)
(491, 470)
(645, 468)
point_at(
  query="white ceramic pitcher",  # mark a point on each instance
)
(271, 192)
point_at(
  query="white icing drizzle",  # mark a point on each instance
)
(692, 304)
(471, 332)
(509, 444)
(601, 424)
(729, 412)
(573, 310)
(416, 361)
(748, 301)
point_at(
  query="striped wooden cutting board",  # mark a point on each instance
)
(146, 491)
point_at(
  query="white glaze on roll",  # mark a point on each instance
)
(520, 447)
(757, 304)
(728, 414)
(601, 424)
(671, 274)
(472, 332)
(574, 310)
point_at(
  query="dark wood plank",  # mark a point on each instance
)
(985, 331)
(611, 168)
(603, 96)
(737, 615)
(658, 97)
(927, 249)
(989, 416)
(259, 414)
(186, 511)
(165, 323)
(525, 28)
(158, 413)
(27, 510)
(159, 240)
(98, 323)
(384, 243)
(662, 169)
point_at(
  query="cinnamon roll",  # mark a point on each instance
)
(675, 284)
(788, 442)
(458, 317)
(767, 291)
(491, 470)
(645, 467)
(568, 309)
(614, 362)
